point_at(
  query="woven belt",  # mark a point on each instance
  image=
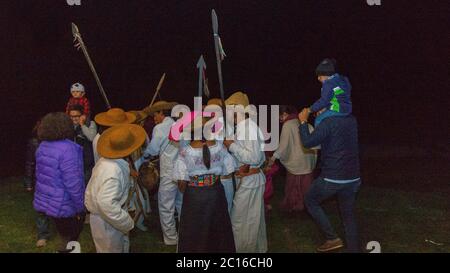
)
(203, 180)
(223, 177)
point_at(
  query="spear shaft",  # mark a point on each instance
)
(77, 36)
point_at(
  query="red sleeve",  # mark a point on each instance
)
(69, 104)
(86, 106)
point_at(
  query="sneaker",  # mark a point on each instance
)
(41, 243)
(330, 245)
(170, 242)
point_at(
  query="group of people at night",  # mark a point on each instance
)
(214, 191)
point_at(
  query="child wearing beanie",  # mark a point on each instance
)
(78, 97)
(335, 94)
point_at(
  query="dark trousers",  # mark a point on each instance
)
(346, 194)
(69, 228)
(42, 225)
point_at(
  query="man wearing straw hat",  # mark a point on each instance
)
(112, 117)
(169, 197)
(108, 190)
(247, 147)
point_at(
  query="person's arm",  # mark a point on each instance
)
(229, 163)
(280, 153)
(326, 95)
(91, 131)
(86, 106)
(315, 138)
(71, 166)
(247, 147)
(180, 173)
(154, 147)
(109, 197)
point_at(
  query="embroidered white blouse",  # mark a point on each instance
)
(190, 162)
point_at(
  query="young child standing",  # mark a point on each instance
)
(269, 171)
(78, 97)
(335, 93)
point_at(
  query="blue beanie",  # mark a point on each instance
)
(326, 68)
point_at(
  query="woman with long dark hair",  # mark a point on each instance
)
(205, 224)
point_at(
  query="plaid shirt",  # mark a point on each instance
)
(83, 101)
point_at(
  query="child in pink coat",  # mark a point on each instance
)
(268, 192)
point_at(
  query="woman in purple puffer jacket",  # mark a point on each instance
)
(59, 176)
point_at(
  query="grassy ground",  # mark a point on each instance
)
(401, 220)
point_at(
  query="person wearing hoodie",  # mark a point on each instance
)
(107, 194)
(335, 95)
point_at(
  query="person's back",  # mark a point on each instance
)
(340, 155)
(297, 159)
(59, 177)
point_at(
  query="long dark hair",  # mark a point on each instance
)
(206, 155)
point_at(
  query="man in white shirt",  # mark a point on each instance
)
(107, 192)
(248, 149)
(169, 197)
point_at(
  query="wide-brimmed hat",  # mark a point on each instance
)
(161, 106)
(114, 116)
(120, 141)
(140, 116)
(238, 98)
(215, 101)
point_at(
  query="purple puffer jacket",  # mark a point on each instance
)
(59, 179)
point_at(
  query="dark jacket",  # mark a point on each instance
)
(338, 137)
(88, 152)
(30, 163)
(335, 95)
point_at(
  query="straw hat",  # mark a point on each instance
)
(114, 116)
(215, 101)
(140, 116)
(161, 106)
(121, 141)
(238, 98)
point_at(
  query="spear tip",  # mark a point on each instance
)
(75, 30)
(214, 22)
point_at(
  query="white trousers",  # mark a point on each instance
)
(169, 199)
(107, 239)
(247, 215)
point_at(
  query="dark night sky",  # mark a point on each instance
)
(396, 56)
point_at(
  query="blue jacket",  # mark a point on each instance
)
(59, 179)
(335, 95)
(338, 137)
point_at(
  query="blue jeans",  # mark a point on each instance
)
(346, 193)
(42, 225)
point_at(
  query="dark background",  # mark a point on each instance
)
(396, 56)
